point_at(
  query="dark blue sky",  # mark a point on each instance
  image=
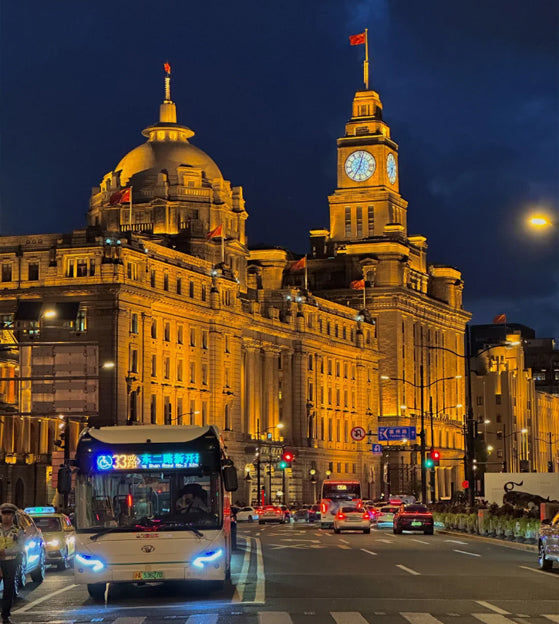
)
(470, 90)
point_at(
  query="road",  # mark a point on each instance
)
(299, 574)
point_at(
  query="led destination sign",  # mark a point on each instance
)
(147, 461)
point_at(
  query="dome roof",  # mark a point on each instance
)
(154, 156)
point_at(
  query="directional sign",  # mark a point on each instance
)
(377, 449)
(396, 433)
(358, 433)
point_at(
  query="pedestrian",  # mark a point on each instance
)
(12, 540)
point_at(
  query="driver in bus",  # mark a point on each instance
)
(192, 498)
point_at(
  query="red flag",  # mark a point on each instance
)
(215, 233)
(357, 39)
(167, 67)
(299, 265)
(357, 284)
(121, 197)
(500, 319)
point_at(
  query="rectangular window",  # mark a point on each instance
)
(33, 271)
(338, 439)
(179, 334)
(167, 367)
(154, 329)
(204, 292)
(371, 220)
(329, 430)
(132, 271)
(347, 221)
(191, 290)
(192, 372)
(166, 281)
(133, 367)
(70, 269)
(152, 278)
(92, 266)
(192, 337)
(359, 221)
(498, 399)
(227, 347)
(153, 409)
(204, 339)
(167, 332)
(167, 411)
(179, 370)
(179, 286)
(204, 375)
(81, 267)
(179, 411)
(133, 323)
(154, 366)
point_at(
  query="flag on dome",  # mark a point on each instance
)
(167, 68)
(299, 265)
(500, 319)
(215, 233)
(357, 284)
(122, 196)
(357, 39)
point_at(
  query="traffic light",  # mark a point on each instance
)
(429, 463)
(435, 456)
(286, 459)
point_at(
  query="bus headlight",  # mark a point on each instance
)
(89, 561)
(211, 555)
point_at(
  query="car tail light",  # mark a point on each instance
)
(366, 516)
(341, 516)
(278, 511)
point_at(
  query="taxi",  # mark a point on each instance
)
(58, 533)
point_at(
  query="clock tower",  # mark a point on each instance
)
(367, 202)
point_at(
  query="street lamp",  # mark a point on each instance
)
(422, 386)
(257, 463)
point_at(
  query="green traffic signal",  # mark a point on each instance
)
(283, 465)
(429, 463)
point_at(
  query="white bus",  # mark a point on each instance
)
(152, 504)
(336, 494)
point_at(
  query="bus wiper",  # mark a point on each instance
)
(180, 525)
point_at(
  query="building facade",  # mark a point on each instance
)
(190, 326)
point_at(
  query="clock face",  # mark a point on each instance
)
(360, 166)
(391, 168)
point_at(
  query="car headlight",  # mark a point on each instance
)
(54, 543)
(212, 555)
(90, 562)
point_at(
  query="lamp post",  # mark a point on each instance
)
(504, 436)
(258, 461)
(422, 386)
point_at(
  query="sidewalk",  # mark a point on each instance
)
(493, 540)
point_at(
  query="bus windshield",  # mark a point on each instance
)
(143, 500)
(341, 490)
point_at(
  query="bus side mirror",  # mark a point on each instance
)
(230, 481)
(64, 480)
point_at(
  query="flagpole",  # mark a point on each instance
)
(366, 62)
(130, 215)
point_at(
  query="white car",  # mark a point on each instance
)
(352, 519)
(247, 514)
(385, 515)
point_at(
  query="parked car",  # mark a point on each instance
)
(246, 514)
(352, 519)
(416, 517)
(58, 533)
(271, 513)
(548, 543)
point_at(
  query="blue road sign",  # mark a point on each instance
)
(396, 433)
(377, 449)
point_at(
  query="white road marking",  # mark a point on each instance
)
(348, 617)
(420, 618)
(370, 552)
(488, 605)
(385, 541)
(130, 620)
(206, 618)
(553, 618)
(242, 578)
(344, 546)
(408, 570)
(274, 617)
(492, 618)
(456, 542)
(465, 552)
(419, 541)
(39, 600)
(538, 571)
(344, 541)
(260, 595)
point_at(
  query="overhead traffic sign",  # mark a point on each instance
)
(396, 433)
(358, 433)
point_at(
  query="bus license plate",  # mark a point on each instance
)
(416, 523)
(147, 576)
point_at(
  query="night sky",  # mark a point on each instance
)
(470, 90)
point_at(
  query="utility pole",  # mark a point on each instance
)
(422, 438)
(469, 427)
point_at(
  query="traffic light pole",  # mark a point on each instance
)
(422, 438)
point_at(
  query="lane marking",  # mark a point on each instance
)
(348, 617)
(539, 572)
(553, 618)
(343, 546)
(456, 542)
(492, 618)
(260, 595)
(384, 541)
(130, 620)
(488, 605)
(419, 541)
(420, 618)
(241, 580)
(274, 617)
(39, 600)
(370, 552)
(465, 552)
(344, 541)
(408, 570)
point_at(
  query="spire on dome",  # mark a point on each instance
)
(167, 110)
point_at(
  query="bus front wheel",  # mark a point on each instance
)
(96, 590)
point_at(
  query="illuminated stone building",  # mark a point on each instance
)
(188, 327)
